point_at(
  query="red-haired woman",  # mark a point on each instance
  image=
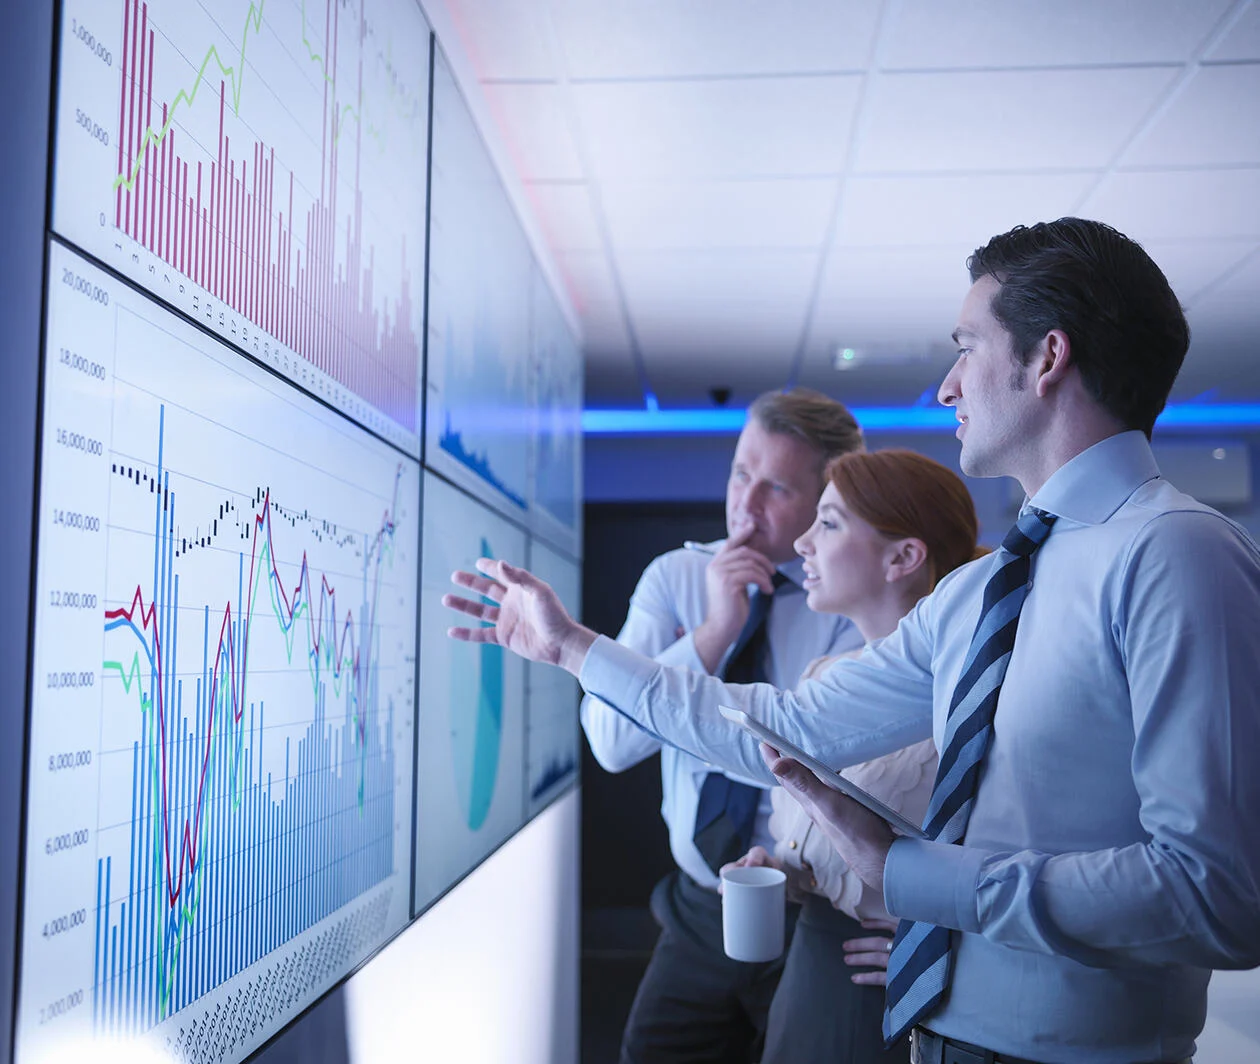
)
(890, 524)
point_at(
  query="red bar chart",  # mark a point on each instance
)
(265, 176)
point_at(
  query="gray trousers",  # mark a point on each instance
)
(694, 1003)
(819, 1016)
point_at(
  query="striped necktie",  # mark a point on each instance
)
(921, 960)
(726, 809)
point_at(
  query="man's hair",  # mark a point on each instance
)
(816, 419)
(1127, 330)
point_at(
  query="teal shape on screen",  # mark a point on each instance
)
(477, 689)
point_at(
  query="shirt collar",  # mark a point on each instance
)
(794, 570)
(1095, 484)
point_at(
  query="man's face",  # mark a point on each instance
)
(774, 487)
(989, 390)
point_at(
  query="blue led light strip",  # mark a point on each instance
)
(658, 422)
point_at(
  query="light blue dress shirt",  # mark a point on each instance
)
(671, 596)
(1113, 854)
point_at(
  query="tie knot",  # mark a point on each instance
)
(1029, 532)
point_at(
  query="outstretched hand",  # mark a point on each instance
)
(859, 836)
(525, 615)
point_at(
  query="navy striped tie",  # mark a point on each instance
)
(920, 963)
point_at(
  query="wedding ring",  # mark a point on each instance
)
(888, 946)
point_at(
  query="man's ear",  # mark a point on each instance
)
(1055, 361)
(908, 557)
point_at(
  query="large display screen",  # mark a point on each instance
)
(224, 645)
(470, 749)
(261, 168)
(253, 755)
(479, 417)
(551, 743)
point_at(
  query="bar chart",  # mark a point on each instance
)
(257, 169)
(229, 782)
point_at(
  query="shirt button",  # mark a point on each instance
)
(792, 845)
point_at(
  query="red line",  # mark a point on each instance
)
(187, 857)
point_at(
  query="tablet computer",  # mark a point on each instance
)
(829, 776)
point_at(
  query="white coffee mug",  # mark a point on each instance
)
(753, 904)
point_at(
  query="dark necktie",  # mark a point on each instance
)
(921, 961)
(727, 809)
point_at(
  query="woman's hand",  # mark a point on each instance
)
(871, 952)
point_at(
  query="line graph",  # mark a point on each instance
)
(230, 778)
(262, 170)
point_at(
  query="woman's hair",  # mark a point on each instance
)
(904, 494)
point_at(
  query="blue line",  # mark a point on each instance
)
(131, 884)
(728, 421)
(96, 951)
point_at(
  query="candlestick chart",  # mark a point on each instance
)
(220, 803)
(260, 165)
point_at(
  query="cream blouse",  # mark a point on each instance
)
(902, 779)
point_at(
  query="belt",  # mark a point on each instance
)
(927, 1047)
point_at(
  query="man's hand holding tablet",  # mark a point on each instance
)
(857, 824)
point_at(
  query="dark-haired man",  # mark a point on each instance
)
(689, 610)
(1093, 688)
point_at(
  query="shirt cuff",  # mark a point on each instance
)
(934, 882)
(616, 675)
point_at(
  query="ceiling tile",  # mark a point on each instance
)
(759, 127)
(1007, 120)
(532, 122)
(611, 380)
(718, 306)
(565, 216)
(1180, 205)
(951, 209)
(1193, 265)
(1243, 39)
(1232, 306)
(503, 38)
(706, 38)
(877, 384)
(675, 215)
(929, 34)
(1214, 121)
(895, 303)
(593, 290)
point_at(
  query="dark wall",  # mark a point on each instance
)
(625, 848)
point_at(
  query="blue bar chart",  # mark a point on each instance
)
(227, 791)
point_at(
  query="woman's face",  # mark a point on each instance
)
(845, 558)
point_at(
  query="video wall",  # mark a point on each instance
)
(271, 427)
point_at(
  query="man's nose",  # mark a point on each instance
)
(948, 393)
